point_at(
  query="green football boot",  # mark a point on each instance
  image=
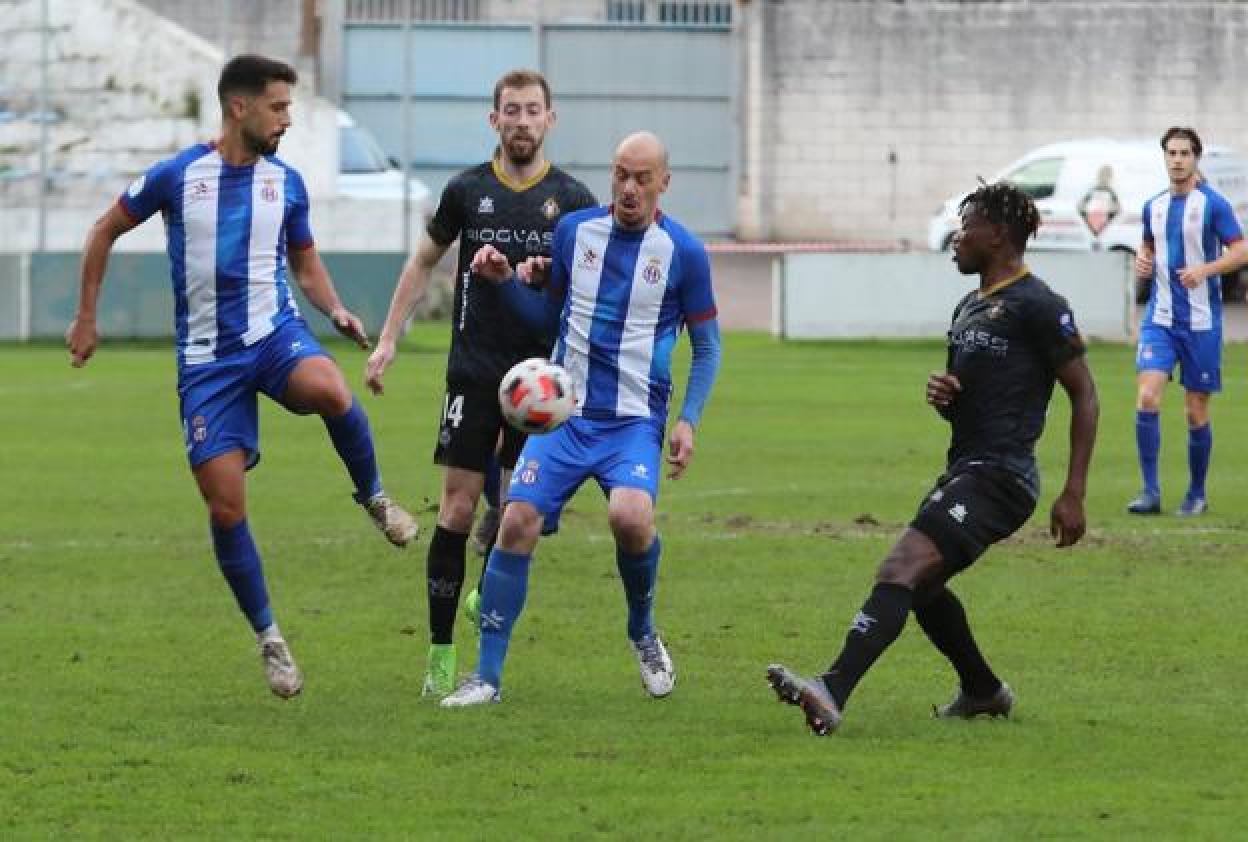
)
(440, 675)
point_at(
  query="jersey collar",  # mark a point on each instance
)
(1000, 285)
(517, 186)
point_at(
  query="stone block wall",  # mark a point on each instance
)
(870, 112)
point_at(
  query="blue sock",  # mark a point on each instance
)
(354, 443)
(492, 481)
(240, 564)
(639, 573)
(1148, 445)
(1199, 448)
(502, 599)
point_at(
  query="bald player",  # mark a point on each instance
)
(621, 284)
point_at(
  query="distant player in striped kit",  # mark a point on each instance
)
(1185, 228)
(236, 219)
(623, 281)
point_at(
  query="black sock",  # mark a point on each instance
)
(444, 569)
(944, 622)
(485, 561)
(877, 625)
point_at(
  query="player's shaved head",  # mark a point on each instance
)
(639, 175)
(642, 146)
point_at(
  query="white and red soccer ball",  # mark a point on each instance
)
(536, 396)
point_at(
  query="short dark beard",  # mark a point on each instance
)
(522, 160)
(258, 145)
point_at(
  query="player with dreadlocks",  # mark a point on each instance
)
(1011, 339)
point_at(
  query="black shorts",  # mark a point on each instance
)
(469, 430)
(969, 511)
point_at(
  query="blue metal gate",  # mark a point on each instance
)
(608, 80)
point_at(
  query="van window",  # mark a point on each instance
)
(1038, 179)
(358, 151)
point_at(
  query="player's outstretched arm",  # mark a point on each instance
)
(82, 336)
(413, 281)
(314, 280)
(1067, 521)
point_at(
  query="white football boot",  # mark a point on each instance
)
(395, 523)
(474, 691)
(657, 673)
(283, 675)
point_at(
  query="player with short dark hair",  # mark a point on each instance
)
(236, 219)
(1181, 254)
(1010, 340)
(511, 202)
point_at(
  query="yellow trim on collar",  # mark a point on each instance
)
(517, 187)
(1000, 285)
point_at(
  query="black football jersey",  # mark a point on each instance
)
(481, 206)
(1005, 349)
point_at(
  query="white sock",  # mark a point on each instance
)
(271, 633)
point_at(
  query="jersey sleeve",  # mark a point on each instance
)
(448, 219)
(697, 298)
(298, 229)
(151, 192)
(561, 248)
(1225, 225)
(1146, 219)
(1051, 324)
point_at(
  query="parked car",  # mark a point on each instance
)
(365, 172)
(1090, 193)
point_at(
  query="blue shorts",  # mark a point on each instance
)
(1197, 352)
(618, 453)
(218, 398)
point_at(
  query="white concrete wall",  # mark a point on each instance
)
(121, 82)
(837, 296)
(957, 90)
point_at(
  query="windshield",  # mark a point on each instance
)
(358, 151)
(1038, 179)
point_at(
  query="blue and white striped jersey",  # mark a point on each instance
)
(1186, 230)
(228, 230)
(626, 296)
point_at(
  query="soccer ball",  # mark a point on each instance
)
(536, 396)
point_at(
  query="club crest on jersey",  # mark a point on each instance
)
(269, 191)
(550, 208)
(589, 259)
(996, 311)
(486, 205)
(653, 271)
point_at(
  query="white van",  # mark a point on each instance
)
(1064, 179)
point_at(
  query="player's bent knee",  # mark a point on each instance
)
(912, 562)
(338, 402)
(456, 511)
(226, 514)
(520, 528)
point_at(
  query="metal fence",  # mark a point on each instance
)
(384, 11)
(677, 12)
(39, 293)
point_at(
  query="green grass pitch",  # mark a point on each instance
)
(132, 703)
